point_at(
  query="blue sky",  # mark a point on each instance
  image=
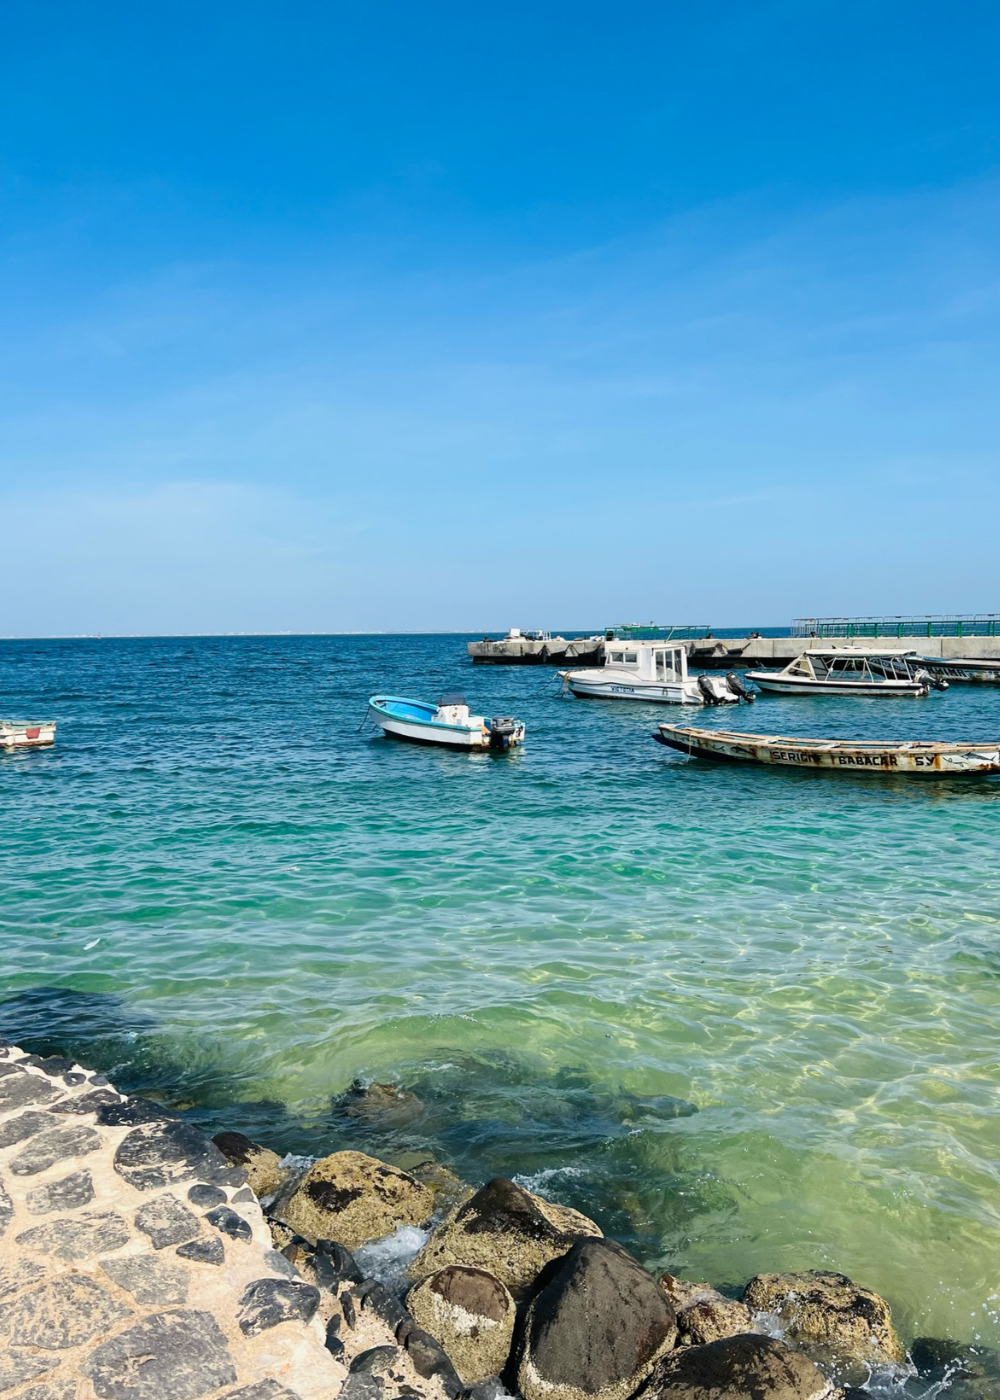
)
(383, 315)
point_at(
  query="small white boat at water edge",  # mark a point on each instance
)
(849, 671)
(14, 735)
(448, 723)
(653, 671)
(918, 756)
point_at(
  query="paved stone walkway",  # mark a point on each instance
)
(135, 1263)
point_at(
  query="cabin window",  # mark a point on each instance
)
(615, 656)
(630, 658)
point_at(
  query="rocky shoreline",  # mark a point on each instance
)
(139, 1261)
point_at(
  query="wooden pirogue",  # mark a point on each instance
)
(867, 755)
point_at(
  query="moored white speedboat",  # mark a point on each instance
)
(653, 671)
(848, 671)
(448, 723)
(14, 735)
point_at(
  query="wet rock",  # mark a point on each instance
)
(69, 1193)
(229, 1223)
(167, 1151)
(126, 1113)
(208, 1250)
(26, 1125)
(937, 1358)
(263, 1168)
(430, 1359)
(704, 1314)
(507, 1231)
(355, 1199)
(61, 1313)
(828, 1315)
(95, 1232)
(597, 1327)
(384, 1105)
(170, 1356)
(471, 1314)
(376, 1360)
(268, 1301)
(56, 1145)
(447, 1189)
(149, 1280)
(748, 1367)
(166, 1221)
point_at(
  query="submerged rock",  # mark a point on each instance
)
(382, 1105)
(354, 1199)
(828, 1315)
(263, 1168)
(703, 1313)
(471, 1314)
(507, 1231)
(596, 1329)
(447, 1189)
(747, 1367)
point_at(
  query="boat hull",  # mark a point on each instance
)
(27, 736)
(595, 687)
(415, 733)
(919, 758)
(777, 683)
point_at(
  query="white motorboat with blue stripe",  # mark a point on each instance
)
(448, 723)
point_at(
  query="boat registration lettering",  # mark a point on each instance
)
(867, 760)
(623, 689)
(795, 756)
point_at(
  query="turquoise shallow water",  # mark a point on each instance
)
(216, 888)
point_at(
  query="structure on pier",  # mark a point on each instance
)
(932, 625)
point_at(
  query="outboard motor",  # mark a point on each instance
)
(735, 683)
(932, 682)
(502, 731)
(708, 691)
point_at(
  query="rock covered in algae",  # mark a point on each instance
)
(703, 1313)
(506, 1230)
(828, 1314)
(747, 1367)
(596, 1329)
(354, 1199)
(263, 1168)
(471, 1314)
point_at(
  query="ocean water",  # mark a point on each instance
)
(746, 1019)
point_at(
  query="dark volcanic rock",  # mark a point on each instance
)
(127, 1113)
(430, 1359)
(229, 1223)
(19, 1274)
(208, 1250)
(597, 1328)
(164, 1152)
(268, 1301)
(149, 1280)
(748, 1367)
(263, 1390)
(67, 1194)
(19, 1366)
(203, 1195)
(507, 1231)
(376, 1360)
(54, 1146)
(18, 1089)
(333, 1265)
(26, 1125)
(86, 1103)
(170, 1356)
(61, 1313)
(96, 1232)
(6, 1210)
(471, 1314)
(166, 1221)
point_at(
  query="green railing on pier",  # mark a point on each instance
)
(967, 625)
(654, 632)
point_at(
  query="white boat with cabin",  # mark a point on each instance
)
(654, 671)
(849, 671)
(15, 735)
